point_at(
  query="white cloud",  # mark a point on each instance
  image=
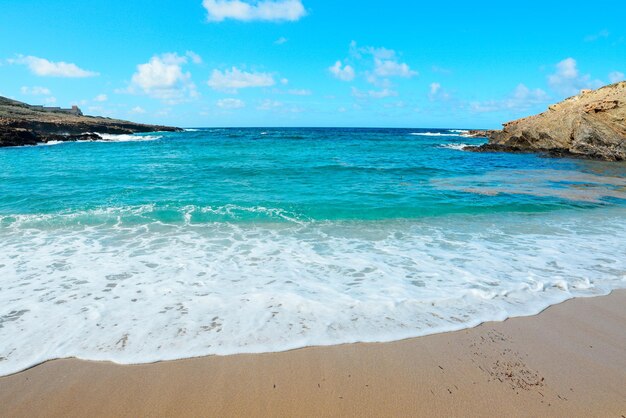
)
(265, 10)
(36, 91)
(374, 94)
(39, 91)
(521, 99)
(137, 110)
(230, 103)
(377, 52)
(594, 37)
(344, 73)
(163, 78)
(44, 68)
(268, 104)
(384, 64)
(568, 81)
(280, 41)
(235, 79)
(616, 76)
(392, 68)
(195, 58)
(437, 92)
(300, 92)
(101, 98)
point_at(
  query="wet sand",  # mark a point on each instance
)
(568, 361)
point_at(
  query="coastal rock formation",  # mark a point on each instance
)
(589, 125)
(23, 124)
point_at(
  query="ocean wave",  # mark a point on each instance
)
(454, 146)
(147, 293)
(128, 216)
(433, 134)
(127, 137)
(49, 143)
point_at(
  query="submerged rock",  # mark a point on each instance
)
(23, 124)
(589, 125)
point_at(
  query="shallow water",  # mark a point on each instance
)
(220, 241)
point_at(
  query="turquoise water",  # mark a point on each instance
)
(315, 174)
(217, 241)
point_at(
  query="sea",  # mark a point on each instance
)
(163, 246)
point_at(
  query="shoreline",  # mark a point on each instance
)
(568, 360)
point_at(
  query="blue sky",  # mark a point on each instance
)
(309, 62)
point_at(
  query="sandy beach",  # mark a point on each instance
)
(569, 360)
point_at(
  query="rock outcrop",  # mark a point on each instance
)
(590, 125)
(23, 124)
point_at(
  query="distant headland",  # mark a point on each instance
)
(24, 124)
(589, 125)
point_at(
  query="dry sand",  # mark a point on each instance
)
(567, 361)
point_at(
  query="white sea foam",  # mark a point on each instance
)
(434, 134)
(127, 138)
(459, 131)
(143, 292)
(49, 143)
(192, 130)
(454, 146)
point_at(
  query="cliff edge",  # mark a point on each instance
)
(589, 125)
(23, 124)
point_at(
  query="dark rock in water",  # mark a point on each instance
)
(13, 137)
(23, 124)
(590, 125)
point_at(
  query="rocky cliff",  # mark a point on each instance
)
(23, 124)
(590, 125)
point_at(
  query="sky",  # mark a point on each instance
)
(309, 63)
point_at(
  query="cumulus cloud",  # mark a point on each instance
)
(568, 81)
(230, 103)
(44, 68)
(36, 91)
(235, 79)
(101, 98)
(374, 94)
(521, 99)
(163, 78)
(342, 72)
(268, 104)
(377, 52)
(436, 92)
(262, 10)
(195, 58)
(616, 76)
(280, 41)
(392, 68)
(383, 63)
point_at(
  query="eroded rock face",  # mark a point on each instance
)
(22, 124)
(590, 125)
